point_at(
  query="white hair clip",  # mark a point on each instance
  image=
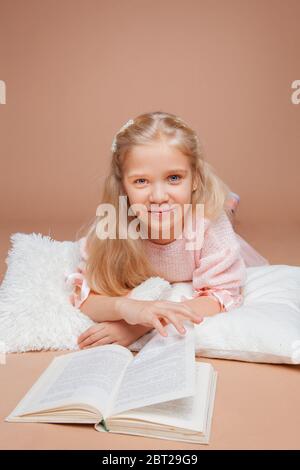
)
(127, 124)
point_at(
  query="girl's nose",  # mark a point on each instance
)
(158, 195)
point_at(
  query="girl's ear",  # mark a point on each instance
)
(196, 181)
(122, 189)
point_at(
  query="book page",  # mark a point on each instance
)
(89, 376)
(163, 370)
(190, 413)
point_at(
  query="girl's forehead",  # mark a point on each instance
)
(155, 156)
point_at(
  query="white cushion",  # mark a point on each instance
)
(35, 312)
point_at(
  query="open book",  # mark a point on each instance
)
(160, 392)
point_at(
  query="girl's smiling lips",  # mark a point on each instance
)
(158, 213)
(161, 209)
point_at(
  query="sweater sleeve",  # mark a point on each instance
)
(220, 269)
(77, 279)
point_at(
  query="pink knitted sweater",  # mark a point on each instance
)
(217, 270)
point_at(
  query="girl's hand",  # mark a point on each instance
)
(110, 332)
(156, 313)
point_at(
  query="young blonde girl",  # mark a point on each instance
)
(155, 144)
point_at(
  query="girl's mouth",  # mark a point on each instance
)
(164, 208)
(159, 214)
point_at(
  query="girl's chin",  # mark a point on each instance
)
(158, 225)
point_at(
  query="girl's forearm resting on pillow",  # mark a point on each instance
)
(104, 308)
(100, 308)
(206, 306)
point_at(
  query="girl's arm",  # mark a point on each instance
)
(100, 308)
(147, 313)
(221, 271)
(111, 332)
(206, 306)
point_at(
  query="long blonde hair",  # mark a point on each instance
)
(115, 266)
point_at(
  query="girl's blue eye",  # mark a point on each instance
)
(141, 179)
(177, 176)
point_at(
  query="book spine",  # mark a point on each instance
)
(103, 424)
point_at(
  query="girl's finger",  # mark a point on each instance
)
(156, 323)
(173, 318)
(88, 332)
(176, 322)
(101, 342)
(84, 335)
(91, 339)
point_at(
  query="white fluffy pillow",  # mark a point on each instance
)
(35, 312)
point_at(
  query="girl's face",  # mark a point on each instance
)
(159, 177)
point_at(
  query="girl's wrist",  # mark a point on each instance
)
(143, 329)
(120, 310)
(129, 310)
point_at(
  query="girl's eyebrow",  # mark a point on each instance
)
(177, 170)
